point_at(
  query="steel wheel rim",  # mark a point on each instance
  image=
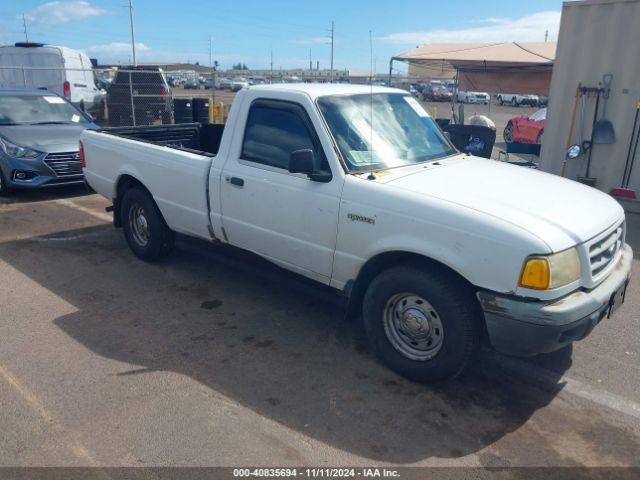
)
(413, 326)
(139, 225)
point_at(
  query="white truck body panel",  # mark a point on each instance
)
(479, 217)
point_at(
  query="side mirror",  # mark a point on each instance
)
(302, 161)
(574, 151)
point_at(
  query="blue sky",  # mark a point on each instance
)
(246, 31)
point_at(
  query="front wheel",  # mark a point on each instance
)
(145, 230)
(4, 188)
(423, 324)
(507, 134)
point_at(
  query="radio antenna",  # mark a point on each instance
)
(371, 174)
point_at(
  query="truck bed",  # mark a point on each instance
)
(194, 137)
(171, 161)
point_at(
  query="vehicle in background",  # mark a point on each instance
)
(39, 133)
(238, 84)
(426, 243)
(516, 100)
(191, 84)
(208, 83)
(473, 97)
(543, 101)
(436, 93)
(61, 70)
(151, 100)
(224, 83)
(526, 129)
(413, 91)
(450, 85)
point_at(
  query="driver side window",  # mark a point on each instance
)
(273, 133)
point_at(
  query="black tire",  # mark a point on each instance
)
(160, 239)
(4, 189)
(457, 310)
(507, 134)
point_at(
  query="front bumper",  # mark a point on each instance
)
(38, 173)
(519, 327)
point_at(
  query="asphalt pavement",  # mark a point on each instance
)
(216, 357)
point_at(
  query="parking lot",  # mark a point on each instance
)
(216, 357)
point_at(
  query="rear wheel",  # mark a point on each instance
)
(423, 324)
(507, 134)
(145, 230)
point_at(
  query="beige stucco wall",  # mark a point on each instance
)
(596, 37)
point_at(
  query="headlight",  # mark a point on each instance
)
(16, 151)
(551, 271)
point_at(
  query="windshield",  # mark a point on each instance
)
(539, 115)
(382, 130)
(37, 109)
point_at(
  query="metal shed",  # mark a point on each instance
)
(597, 37)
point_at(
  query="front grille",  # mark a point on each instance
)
(66, 164)
(602, 252)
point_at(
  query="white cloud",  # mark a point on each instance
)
(530, 28)
(116, 48)
(59, 12)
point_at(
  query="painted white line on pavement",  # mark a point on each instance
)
(547, 379)
(100, 215)
(33, 401)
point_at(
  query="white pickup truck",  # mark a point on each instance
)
(357, 188)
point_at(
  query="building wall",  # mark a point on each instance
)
(596, 37)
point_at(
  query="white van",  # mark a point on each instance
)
(62, 70)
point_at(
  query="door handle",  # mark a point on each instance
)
(239, 182)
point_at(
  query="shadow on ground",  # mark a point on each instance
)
(271, 341)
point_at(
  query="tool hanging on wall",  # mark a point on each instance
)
(573, 122)
(624, 191)
(603, 133)
(587, 145)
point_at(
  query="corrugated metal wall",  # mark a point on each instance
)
(596, 37)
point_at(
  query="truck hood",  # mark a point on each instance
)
(560, 212)
(46, 138)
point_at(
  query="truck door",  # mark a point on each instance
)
(285, 217)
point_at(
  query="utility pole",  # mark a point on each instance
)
(271, 68)
(210, 62)
(332, 37)
(24, 25)
(133, 38)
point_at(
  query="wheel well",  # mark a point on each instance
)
(357, 288)
(125, 182)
